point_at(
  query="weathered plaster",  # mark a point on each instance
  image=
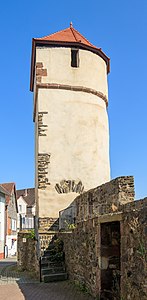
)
(76, 126)
(91, 73)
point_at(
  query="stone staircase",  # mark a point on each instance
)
(52, 265)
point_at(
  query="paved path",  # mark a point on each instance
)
(18, 286)
(9, 275)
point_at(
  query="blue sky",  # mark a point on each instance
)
(120, 29)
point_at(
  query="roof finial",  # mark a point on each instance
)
(71, 25)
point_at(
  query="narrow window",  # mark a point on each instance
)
(75, 58)
(20, 208)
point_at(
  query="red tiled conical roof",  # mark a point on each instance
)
(70, 35)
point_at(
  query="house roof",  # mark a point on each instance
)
(28, 195)
(4, 191)
(68, 37)
(8, 186)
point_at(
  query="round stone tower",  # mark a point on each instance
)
(69, 80)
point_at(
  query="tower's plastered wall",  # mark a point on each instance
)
(91, 73)
(76, 140)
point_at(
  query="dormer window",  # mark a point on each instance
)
(74, 58)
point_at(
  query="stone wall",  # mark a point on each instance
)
(106, 198)
(48, 224)
(27, 256)
(46, 231)
(67, 217)
(134, 251)
(45, 238)
(82, 251)
(107, 248)
(26, 253)
(109, 207)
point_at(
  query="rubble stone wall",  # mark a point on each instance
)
(48, 224)
(82, 252)
(106, 198)
(134, 251)
(112, 202)
(26, 253)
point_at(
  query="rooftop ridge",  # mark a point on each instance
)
(83, 37)
(72, 30)
(25, 189)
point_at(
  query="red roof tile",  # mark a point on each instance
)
(67, 35)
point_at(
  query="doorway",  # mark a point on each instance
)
(110, 260)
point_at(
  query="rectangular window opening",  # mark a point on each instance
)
(75, 58)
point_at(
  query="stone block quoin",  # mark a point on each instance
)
(40, 71)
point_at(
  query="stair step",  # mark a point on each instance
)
(54, 270)
(52, 253)
(54, 277)
(44, 259)
(48, 252)
(51, 259)
(52, 263)
(49, 264)
(50, 247)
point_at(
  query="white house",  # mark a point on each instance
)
(2, 221)
(26, 208)
(10, 222)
